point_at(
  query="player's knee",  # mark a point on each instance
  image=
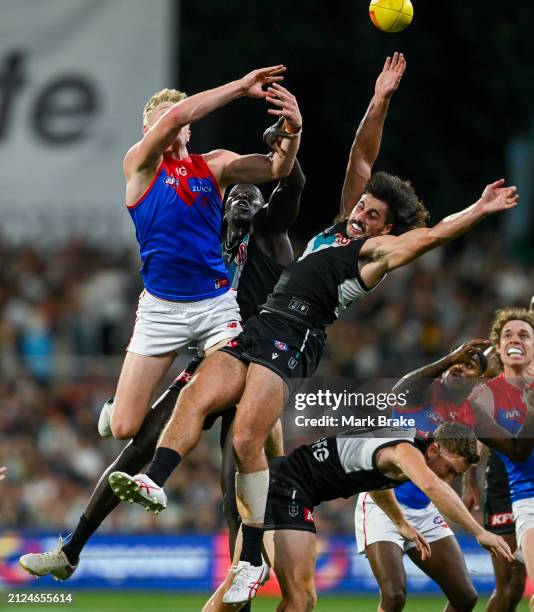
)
(247, 446)
(393, 597)
(465, 600)
(124, 429)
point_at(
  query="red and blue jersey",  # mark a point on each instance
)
(178, 226)
(509, 411)
(438, 409)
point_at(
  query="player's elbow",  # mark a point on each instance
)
(430, 486)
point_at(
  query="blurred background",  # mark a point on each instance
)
(73, 81)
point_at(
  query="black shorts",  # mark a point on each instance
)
(498, 515)
(287, 347)
(288, 505)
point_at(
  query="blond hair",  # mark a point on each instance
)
(164, 95)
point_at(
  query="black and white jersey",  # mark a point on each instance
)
(323, 282)
(253, 274)
(342, 465)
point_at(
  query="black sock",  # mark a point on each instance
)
(252, 541)
(163, 464)
(78, 539)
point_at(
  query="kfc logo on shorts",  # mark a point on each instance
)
(308, 515)
(221, 282)
(232, 344)
(232, 325)
(503, 518)
(342, 240)
(281, 346)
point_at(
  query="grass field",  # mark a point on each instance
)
(167, 602)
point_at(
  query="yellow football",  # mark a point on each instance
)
(391, 15)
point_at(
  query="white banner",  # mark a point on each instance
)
(74, 77)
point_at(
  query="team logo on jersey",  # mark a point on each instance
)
(221, 282)
(281, 346)
(182, 171)
(342, 240)
(241, 255)
(292, 363)
(308, 515)
(293, 510)
(299, 306)
(502, 518)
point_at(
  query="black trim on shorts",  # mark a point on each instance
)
(279, 502)
(246, 358)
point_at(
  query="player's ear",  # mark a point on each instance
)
(387, 228)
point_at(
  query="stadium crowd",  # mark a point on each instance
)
(65, 319)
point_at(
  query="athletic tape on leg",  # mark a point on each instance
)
(251, 494)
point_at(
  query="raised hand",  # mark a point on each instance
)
(391, 75)
(467, 349)
(286, 104)
(252, 83)
(497, 197)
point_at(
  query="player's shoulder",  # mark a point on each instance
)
(219, 156)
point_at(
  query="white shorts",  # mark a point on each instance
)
(524, 518)
(162, 326)
(373, 525)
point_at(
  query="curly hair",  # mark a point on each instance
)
(406, 210)
(164, 95)
(457, 439)
(502, 317)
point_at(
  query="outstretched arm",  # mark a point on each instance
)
(229, 167)
(283, 206)
(412, 463)
(381, 254)
(366, 145)
(385, 499)
(416, 383)
(147, 152)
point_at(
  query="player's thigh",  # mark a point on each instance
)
(294, 560)
(527, 548)
(446, 566)
(506, 573)
(217, 383)
(385, 559)
(260, 405)
(139, 378)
